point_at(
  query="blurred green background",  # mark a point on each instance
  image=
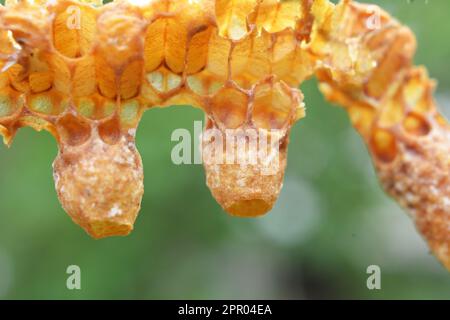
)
(331, 222)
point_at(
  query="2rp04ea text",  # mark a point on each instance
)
(225, 309)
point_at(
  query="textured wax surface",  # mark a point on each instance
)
(239, 61)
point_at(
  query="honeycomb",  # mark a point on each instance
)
(392, 107)
(86, 72)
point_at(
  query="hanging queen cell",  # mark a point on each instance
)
(86, 72)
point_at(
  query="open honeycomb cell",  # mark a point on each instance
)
(86, 72)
